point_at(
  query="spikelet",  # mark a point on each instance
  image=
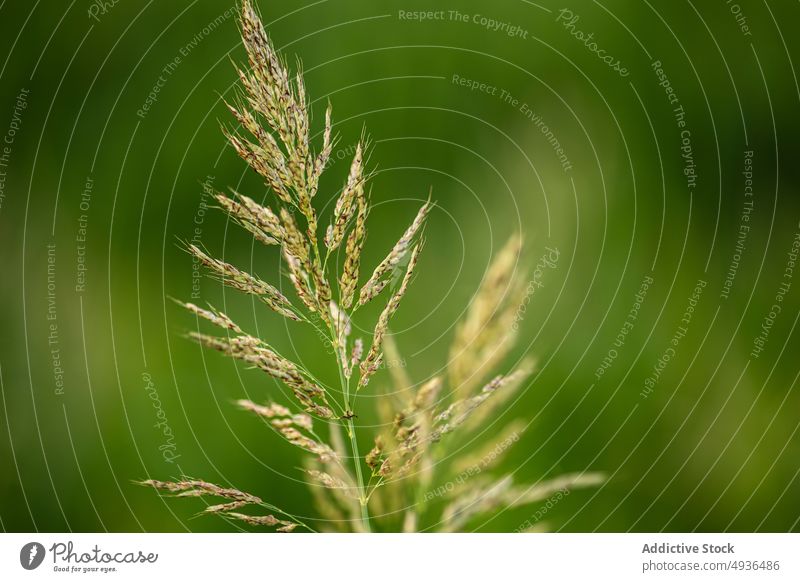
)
(411, 429)
(514, 382)
(267, 148)
(325, 504)
(304, 272)
(216, 317)
(374, 357)
(224, 507)
(311, 223)
(340, 325)
(246, 283)
(340, 507)
(296, 257)
(375, 456)
(347, 203)
(253, 351)
(297, 429)
(523, 495)
(486, 334)
(420, 411)
(270, 91)
(388, 401)
(417, 418)
(300, 280)
(263, 163)
(457, 413)
(381, 276)
(355, 357)
(259, 220)
(298, 439)
(279, 415)
(481, 499)
(294, 242)
(324, 156)
(326, 480)
(355, 245)
(412, 424)
(418, 443)
(299, 159)
(187, 487)
(323, 292)
(265, 520)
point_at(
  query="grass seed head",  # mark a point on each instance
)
(273, 138)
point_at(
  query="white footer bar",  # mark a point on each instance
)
(407, 558)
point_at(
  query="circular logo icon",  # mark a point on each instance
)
(31, 555)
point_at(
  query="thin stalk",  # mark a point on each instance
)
(359, 476)
(349, 425)
(351, 432)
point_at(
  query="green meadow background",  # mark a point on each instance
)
(102, 181)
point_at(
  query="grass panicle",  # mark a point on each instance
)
(413, 452)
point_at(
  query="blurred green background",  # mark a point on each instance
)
(714, 446)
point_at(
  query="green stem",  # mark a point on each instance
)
(351, 432)
(362, 494)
